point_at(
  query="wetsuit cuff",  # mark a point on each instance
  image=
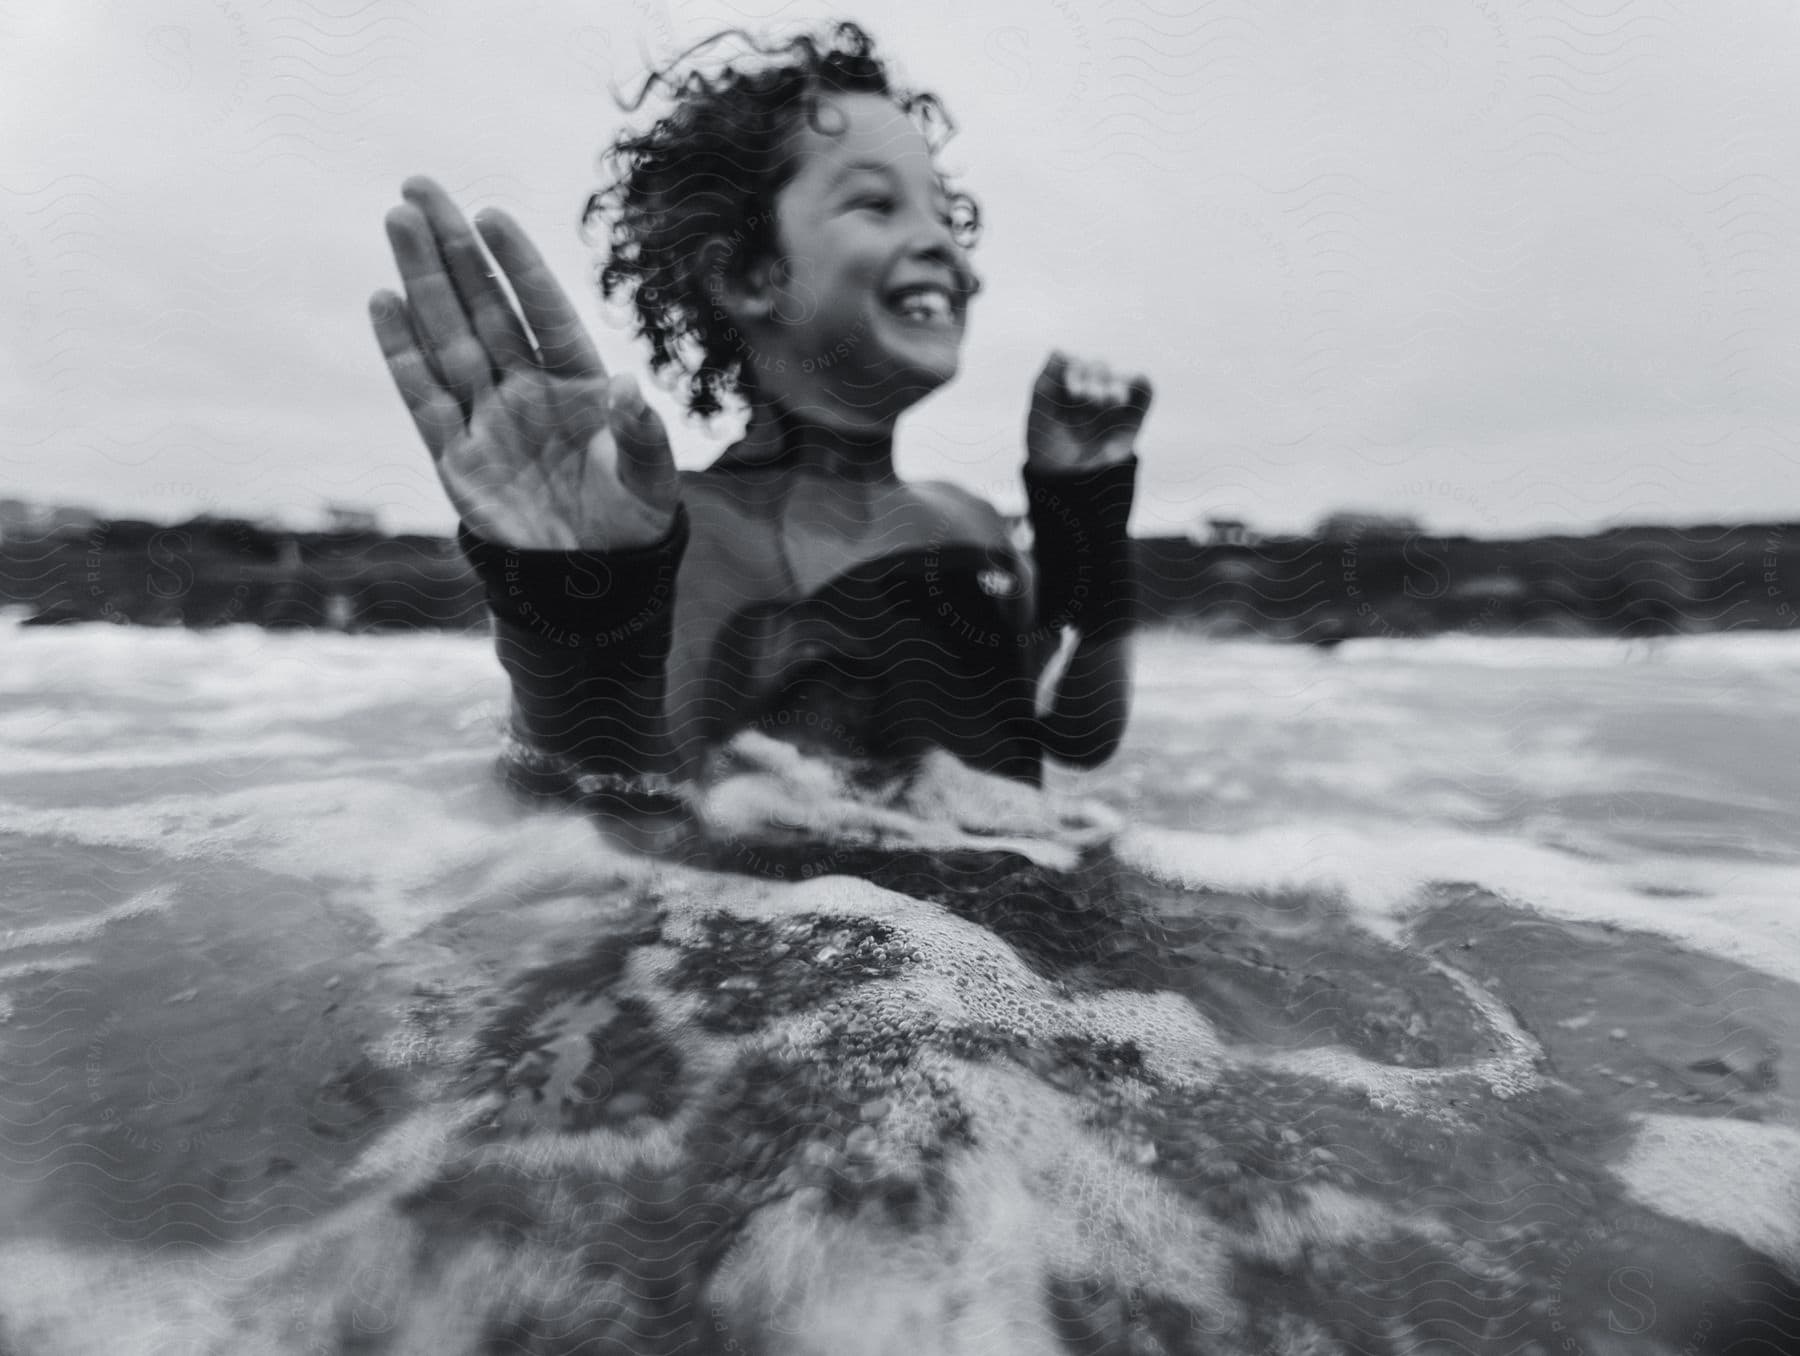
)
(1082, 548)
(580, 599)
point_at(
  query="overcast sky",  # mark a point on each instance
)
(1504, 266)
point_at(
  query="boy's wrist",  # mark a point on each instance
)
(1082, 546)
(1044, 466)
(1040, 469)
(579, 599)
(1081, 502)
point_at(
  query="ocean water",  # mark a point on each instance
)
(1413, 997)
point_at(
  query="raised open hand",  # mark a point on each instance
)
(535, 445)
(1082, 416)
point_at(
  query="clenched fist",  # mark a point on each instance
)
(1082, 416)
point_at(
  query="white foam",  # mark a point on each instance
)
(405, 1154)
(1511, 1071)
(1359, 775)
(1752, 651)
(156, 899)
(831, 1288)
(17, 761)
(49, 965)
(134, 661)
(967, 975)
(1039, 1194)
(775, 791)
(46, 965)
(110, 698)
(68, 1301)
(1739, 1177)
(76, 1302)
(1378, 868)
(1083, 1210)
(1328, 1215)
(405, 856)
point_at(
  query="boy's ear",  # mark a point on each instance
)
(742, 294)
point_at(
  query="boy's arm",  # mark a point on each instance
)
(546, 458)
(1081, 554)
(584, 638)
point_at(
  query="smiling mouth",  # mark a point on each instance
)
(924, 304)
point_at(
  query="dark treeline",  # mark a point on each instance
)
(219, 571)
(1628, 581)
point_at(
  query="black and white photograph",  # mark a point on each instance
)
(1005, 678)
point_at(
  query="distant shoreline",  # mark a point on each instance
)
(1633, 581)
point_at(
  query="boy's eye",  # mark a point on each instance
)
(964, 220)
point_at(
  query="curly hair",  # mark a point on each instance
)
(713, 165)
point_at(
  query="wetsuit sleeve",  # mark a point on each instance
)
(1081, 550)
(584, 638)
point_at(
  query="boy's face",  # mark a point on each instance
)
(868, 302)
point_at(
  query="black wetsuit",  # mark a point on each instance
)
(627, 667)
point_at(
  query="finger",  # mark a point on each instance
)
(484, 301)
(562, 340)
(434, 410)
(442, 326)
(1068, 377)
(1139, 394)
(646, 463)
(1108, 389)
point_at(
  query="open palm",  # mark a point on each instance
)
(536, 446)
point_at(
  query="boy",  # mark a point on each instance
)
(785, 237)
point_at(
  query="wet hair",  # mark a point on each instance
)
(713, 165)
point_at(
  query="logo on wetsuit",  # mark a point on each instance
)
(998, 583)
